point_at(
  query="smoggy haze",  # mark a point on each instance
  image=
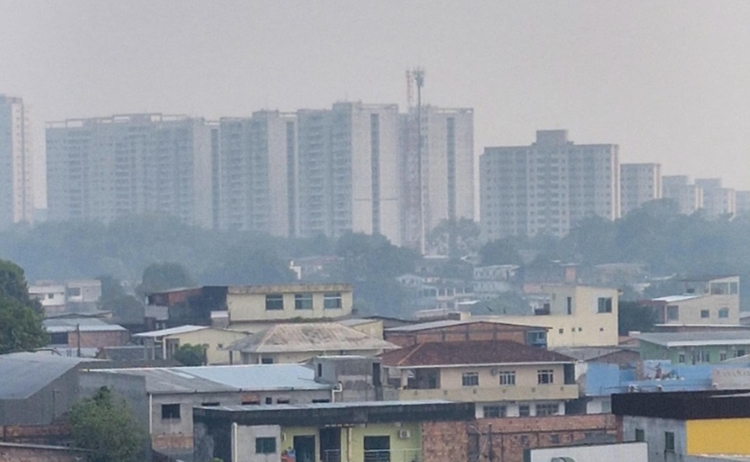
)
(669, 82)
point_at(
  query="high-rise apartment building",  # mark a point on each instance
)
(104, 168)
(639, 183)
(255, 175)
(441, 166)
(16, 163)
(717, 201)
(687, 196)
(347, 171)
(742, 199)
(548, 187)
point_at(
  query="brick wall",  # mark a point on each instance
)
(172, 442)
(471, 441)
(460, 333)
(27, 453)
(59, 433)
(99, 339)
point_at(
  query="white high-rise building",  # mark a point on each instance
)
(347, 171)
(104, 168)
(548, 187)
(717, 201)
(255, 174)
(447, 169)
(639, 183)
(16, 163)
(687, 196)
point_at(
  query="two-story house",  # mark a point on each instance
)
(507, 378)
(694, 347)
(706, 300)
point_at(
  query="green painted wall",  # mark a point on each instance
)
(652, 351)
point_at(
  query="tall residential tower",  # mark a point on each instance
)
(639, 183)
(16, 163)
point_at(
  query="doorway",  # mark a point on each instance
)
(330, 444)
(304, 448)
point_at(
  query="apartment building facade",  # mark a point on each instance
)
(687, 196)
(639, 183)
(437, 169)
(16, 163)
(107, 167)
(548, 187)
(717, 200)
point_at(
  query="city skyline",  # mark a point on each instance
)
(526, 66)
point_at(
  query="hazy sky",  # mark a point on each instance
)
(668, 80)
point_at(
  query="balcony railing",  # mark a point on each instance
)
(376, 455)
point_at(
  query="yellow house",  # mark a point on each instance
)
(213, 340)
(576, 316)
(302, 341)
(679, 425)
(505, 378)
(357, 431)
(250, 307)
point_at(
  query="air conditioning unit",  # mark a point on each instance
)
(404, 434)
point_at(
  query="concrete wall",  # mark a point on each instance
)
(99, 339)
(459, 333)
(213, 339)
(32, 453)
(631, 452)
(42, 407)
(654, 433)
(243, 440)
(689, 311)
(251, 306)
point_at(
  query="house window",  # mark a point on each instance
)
(494, 411)
(524, 410)
(668, 441)
(470, 379)
(266, 360)
(303, 301)
(723, 313)
(545, 376)
(740, 352)
(332, 300)
(265, 445)
(253, 402)
(170, 411)
(377, 448)
(274, 302)
(604, 305)
(211, 404)
(704, 314)
(507, 377)
(546, 409)
(282, 400)
(570, 305)
(722, 356)
(673, 312)
(681, 358)
(640, 435)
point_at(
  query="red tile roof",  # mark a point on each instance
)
(471, 352)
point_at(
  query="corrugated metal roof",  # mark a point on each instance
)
(676, 298)
(716, 337)
(304, 337)
(339, 405)
(59, 325)
(23, 374)
(217, 379)
(170, 331)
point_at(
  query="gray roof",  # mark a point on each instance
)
(217, 379)
(170, 331)
(589, 353)
(309, 337)
(24, 374)
(697, 338)
(449, 323)
(60, 325)
(338, 405)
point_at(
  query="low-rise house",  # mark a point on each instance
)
(706, 300)
(694, 347)
(576, 316)
(359, 431)
(163, 398)
(299, 342)
(686, 426)
(508, 378)
(85, 332)
(631, 452)
(460, 331)
(492, 281)
(50, 295)
(253, 307)
(213, 341)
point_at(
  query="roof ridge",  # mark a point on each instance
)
(408, 355)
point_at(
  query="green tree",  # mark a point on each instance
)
(21, 326)
(158, 277)
(190, 355)
(107, 428)
(454, 238)
(632, 316)
(500, 252)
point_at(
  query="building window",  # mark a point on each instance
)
(681, 358)
(170, 411)
(274, 302)
(722, 356)
(266, 360)
(545, 376)
(470, 379)
(640, 435)
(546, 409)
(332, 301)
(211, 404)
(494, 411)
(303, 301)
(704, 314)
(668, 441)
(524, 410)
(673, 312)
(377, 448)
(265, 445)
(723, 313)
(604, 305)
(282, 400)
(507, 377)
(740, 352)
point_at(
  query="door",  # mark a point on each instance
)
(304, 448)
(377, 448)
(330, 444)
